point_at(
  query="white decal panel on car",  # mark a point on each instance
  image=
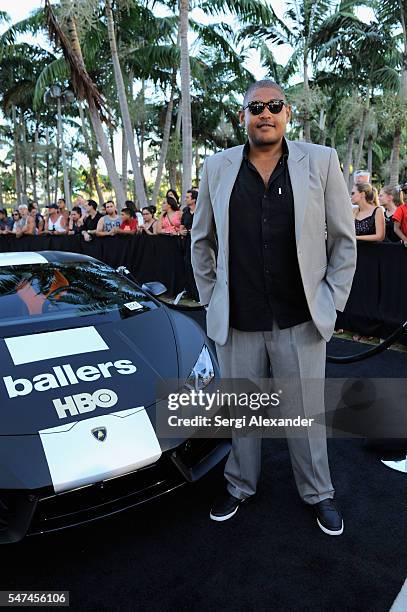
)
(48, 345)
(95, 449)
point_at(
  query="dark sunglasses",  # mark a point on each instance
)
(274, 106)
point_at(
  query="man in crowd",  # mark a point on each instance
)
(6, 224)
(55, 222)
(91, 219)
(109, 222)
(272, 283)
(187, 220)
(26, 225)
(129, 224)
(63, 210)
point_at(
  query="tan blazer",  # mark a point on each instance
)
(321, 202)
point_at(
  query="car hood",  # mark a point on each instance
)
(54, 378)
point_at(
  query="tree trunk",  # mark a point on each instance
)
(348, 159)
(1, 192)
(197, 163)
(16, 155)
(164, 148)
(124, 161)
(185, 101)
(322, 125)
(124, 108)
(57, 157)
(91, 153)
(93, 169)
(142, 130)
(370, 155)
(35, 164)
(24, 158)
(395, 157)
(359, 153)
(47, 169)
(106, 154)
(307, 122)
(94, 114)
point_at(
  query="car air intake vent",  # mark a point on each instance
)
(16, 511)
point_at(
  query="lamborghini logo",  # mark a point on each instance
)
(100, 433)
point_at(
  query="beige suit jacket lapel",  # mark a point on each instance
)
(231, 166)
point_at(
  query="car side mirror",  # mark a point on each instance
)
(154, 287)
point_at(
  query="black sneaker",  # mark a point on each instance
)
(329, 518)
(225, 507)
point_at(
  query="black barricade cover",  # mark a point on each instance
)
(377, 304)
(149, 258)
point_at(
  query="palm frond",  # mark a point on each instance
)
(55, 72)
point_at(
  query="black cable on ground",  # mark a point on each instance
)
(379, 348)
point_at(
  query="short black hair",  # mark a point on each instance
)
(194, 194)
(109, 202)
(77, 209)
(61, 200)
(259, 85)
(93, 204)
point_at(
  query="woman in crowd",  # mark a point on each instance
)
(75, 224)
(149, 221)
(173, 194)
(16, 218)
(170, 220)
(390, 198)
(135, 211)
(369, 216)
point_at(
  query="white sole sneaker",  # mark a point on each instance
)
(225, 517)
(328, 531)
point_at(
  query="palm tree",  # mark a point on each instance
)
(393, 14)
(83, 85)
(121, 92)
(306, 18)
(185, 99)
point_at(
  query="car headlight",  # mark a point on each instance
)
(202, 373)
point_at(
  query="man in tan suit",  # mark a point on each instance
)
(274, 254)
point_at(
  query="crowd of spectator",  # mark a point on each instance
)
(85, 218)
(87, 221)
(380, 216)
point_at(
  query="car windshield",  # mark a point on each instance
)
(46, 292)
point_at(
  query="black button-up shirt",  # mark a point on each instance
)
(264, 275)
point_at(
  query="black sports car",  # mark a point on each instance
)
(81, 350)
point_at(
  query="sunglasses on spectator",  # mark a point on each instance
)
(257, 107)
